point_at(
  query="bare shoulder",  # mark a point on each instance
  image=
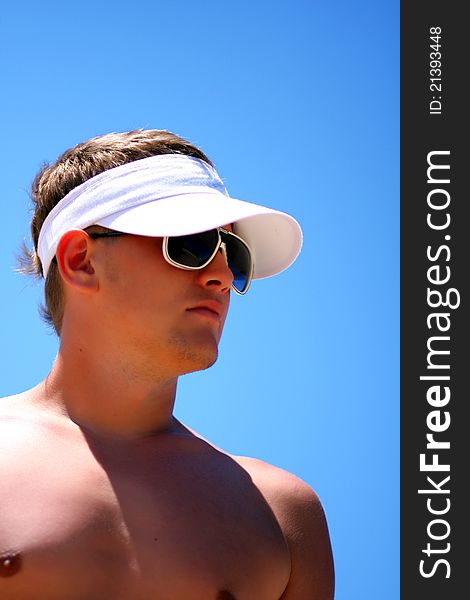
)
(18, 433)
(277, 483)
(17, 416)
(287, 494)
(300, 514)
(13, 417)
(25, 432)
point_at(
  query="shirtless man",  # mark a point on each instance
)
(104, 495)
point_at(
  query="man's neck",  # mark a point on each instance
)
(106, 397)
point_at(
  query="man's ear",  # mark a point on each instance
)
(74, 261)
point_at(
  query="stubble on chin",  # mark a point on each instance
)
(190, 357)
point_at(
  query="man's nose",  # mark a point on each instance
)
(217, 274)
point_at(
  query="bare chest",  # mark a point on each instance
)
(160, 524)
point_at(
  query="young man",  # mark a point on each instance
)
(104, 495)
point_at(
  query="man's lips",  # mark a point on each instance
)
(209, 308)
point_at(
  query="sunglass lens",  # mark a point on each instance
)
(193, 250)
(239, 262)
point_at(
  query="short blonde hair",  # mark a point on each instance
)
(72, 168)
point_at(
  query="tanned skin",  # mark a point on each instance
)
(104, 495)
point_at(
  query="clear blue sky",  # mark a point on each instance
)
(298, 106)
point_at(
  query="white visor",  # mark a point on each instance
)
(171, 195)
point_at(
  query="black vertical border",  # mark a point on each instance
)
(421, 133)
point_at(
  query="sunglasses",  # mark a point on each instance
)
(196, 251)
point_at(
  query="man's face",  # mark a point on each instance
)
(168, 319)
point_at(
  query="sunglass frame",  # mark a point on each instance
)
(220, 243)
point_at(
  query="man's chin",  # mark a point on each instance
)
(196, 356)
(199, 362)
